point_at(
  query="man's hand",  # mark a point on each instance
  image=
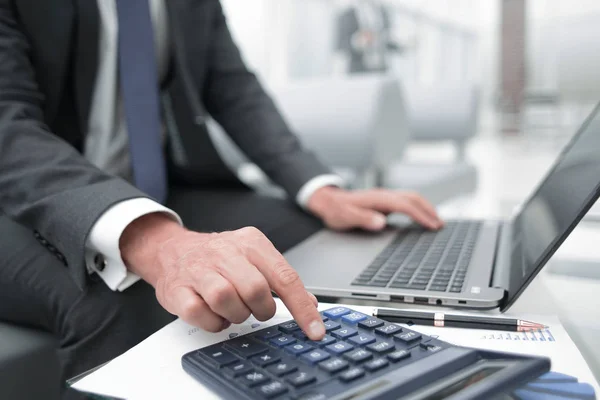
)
(366, 209)
(212, 280)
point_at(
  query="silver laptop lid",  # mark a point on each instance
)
(547, 218)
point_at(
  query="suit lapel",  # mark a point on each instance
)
(87, 37)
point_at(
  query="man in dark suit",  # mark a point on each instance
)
(104, 152)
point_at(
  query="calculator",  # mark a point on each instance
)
(360, 357)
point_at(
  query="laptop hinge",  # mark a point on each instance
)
(500, 277)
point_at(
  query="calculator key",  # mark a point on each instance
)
(315, 356)
(325, 319)
(298, 348)
(433, 348)
(335, 313)
(408, 337)
(253, 378)
(358, 355)
(300, 335)
(282, 368)
(339, 347)
(218, 357)
(284, 340)
(344, 333)
(268, 334)
(331, 326)
(301, 378)
(362, 340)
(323, 342)
(246, 347)
(354, 318)
(376, 364)
(370, 323)
(388, 330)
(381, 347)
(398, 355)
(289, 327)
(352, 374)
(334, 365)
(238, 369)
(266, 359)
(272, 389)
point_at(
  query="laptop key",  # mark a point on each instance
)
(438, 288)
(272, 389)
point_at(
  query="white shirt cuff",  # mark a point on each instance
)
(103, 255)
(316, 183)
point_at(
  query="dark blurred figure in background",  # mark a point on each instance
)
(364, 36)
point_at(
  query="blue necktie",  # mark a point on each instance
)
(140, 91)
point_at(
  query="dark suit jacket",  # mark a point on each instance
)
(48, 61)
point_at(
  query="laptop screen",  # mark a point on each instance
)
(561, 200)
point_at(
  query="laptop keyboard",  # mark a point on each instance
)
(424, 260)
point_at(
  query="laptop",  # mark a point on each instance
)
(469, 263)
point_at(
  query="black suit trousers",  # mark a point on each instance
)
(97, 324)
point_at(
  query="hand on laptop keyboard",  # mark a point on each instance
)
(366, 209)
(212, 280)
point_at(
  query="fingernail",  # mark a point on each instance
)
(316, 329)
(379, 222)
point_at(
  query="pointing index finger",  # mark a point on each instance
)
(286, 282)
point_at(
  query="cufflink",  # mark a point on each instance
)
(99, 263)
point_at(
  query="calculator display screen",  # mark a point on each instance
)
(464, 383)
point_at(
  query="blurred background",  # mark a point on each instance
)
(453, 98)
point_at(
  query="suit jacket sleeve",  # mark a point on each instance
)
(235, 98)
(45, 183)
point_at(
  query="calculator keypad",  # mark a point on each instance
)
(281, 362)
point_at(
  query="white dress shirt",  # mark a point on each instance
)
(106, 147)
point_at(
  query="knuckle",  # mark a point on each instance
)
(286, 275)
(251, 232)
(257, 291)
(191, 310)
(221, 294)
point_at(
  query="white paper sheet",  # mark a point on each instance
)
(152, 370)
